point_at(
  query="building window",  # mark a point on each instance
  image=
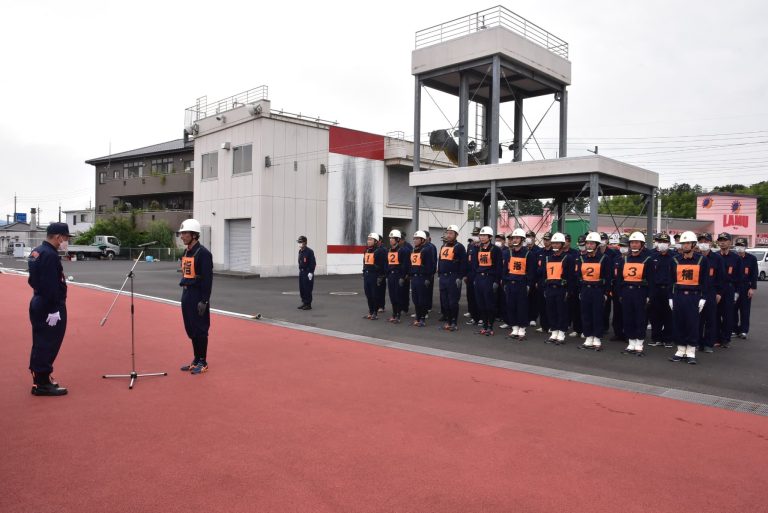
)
(74, 220)
(102, 208)
(189, 166)
(102, 176)
(242, 159)
(116, 174)
(133, 169)
(162, 166)
(210, 165)
(82, 218)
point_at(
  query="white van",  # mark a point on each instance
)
(762, 262)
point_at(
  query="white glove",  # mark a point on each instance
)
(702, 302)
(736, 296)
(53, 319)
(671, 305)
(310, 275)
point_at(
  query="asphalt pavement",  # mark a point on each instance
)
(740, 372)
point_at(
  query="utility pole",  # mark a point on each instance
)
(14, 208)
(59, 212)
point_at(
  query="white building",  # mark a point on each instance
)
(263, 177)
(79, 221)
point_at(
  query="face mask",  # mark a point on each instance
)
(662, 246)
(603, 243)
(498, 244)
(299, 246)
(740, 249)
(528, 241)
(64, 245)
(704, 246)
(582, 248)
(475, 239)
(624, 250)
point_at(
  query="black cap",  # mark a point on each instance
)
(662, 237)
(724, 236)
(530, 233)
(567, 237)
(582, 239)
(475, 231)
(705, 236)
(547, 236)
(624, 240)
(500, 236)
(301, 239)
(741, 241)
(603, 236)
(58, 229)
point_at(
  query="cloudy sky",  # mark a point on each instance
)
(678, 87)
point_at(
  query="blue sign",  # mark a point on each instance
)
(21, 218)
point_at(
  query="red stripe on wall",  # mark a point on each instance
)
(355, 143)
(340, 249)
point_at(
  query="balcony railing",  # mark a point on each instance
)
(498, 16)
(203, 109)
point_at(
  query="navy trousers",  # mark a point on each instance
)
(486, 298)
(662, 323)
(450, 294)
(686, 311)
(305, 287)
(371, 291)
(592, 311)
(46, 340)
(557, 307)
(516, 301)
(633, 303)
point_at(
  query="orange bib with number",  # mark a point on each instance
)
(368, 258)
(446, 253)
(633, 272)
(188, 268)
(688, 274)
(554, 270)
(590, 271)
(416, 259)
(394, 258)
(517, 266)
(484, 259)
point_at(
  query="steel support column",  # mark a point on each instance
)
(416, 152)
(560, 214)
(517, 140)
(495, 113)
(594, 197)
(493, 213)
(651, 204)
(563, 123)
(463, 119)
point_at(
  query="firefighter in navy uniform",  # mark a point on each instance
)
(519, 270)
(487, 267)
(746, 288)
(432, 249)
(617, 319)
(47, 309)
(726, 309)
(708, 319)
(474, 315)
(307, 265)
(451, 270)
(593, 270)
(688, 296)
(421, 271)
(635, 275)
(574, 306)
(398, 260)
(196, 282)
(541, 275)
(559, 284)
(534, 250)
(662, 327)
(374, 274)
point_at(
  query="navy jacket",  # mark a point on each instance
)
(422, 262)
(453, 259)
(398, 261)
(661, 264)
(716, 271)
(703, 284)
(520, 265)
(488, 260)
(46, 277)
(199, 274)
(379, 264)
(587, 275)
(307, 260)
(749, 276)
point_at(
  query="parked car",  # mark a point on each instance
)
(762, 262)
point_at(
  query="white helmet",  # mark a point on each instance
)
(190, 225)
(374, 236)
(558, 237)
(593, 237)
(395, 234)
(452, 228)
(637, 236)
(420, 234)
(688, 237)
(518, 232)
(486, 230)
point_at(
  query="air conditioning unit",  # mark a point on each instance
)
(226, 146)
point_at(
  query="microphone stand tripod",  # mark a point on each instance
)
(133, 375)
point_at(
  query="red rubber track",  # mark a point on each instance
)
(289, 421)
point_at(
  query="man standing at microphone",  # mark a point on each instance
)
(196, 282)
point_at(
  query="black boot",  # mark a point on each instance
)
(42, 385)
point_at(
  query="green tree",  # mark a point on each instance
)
(125, 230)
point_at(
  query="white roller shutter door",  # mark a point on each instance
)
(239, 244)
